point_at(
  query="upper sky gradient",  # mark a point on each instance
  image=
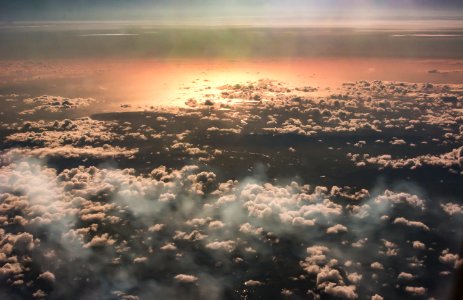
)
(231, 10)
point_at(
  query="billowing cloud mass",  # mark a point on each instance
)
(82, 208)
(106, 151)
(262, 190)
(55, 103)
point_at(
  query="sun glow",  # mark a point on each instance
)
(141, 84)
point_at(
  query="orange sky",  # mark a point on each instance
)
(172, 81)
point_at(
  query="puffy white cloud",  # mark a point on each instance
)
(169, 247)
(104, 152)
(415, 290)
(396, 198)
(447, 160)
(452, 208)
(228, 246)
(83, 131)
(55, 103)
(419, 245)
(194, 235)
(186, 278)
(447, 257)
(336, 229)
(9, 269)
(253, 283)
(409, 223)
(47, 276)
(286, 293)
(100, 241)
(39, 294)
(216, 224)
(156, 227)
(405, 276)
(124, 296)
(344, 292)
(248, 228)
(376, 266)
(354, 277)
(326, 274)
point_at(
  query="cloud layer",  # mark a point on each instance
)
(240, 195)
(139, 235)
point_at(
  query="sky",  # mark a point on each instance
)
(230, 162)
(230, 10)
